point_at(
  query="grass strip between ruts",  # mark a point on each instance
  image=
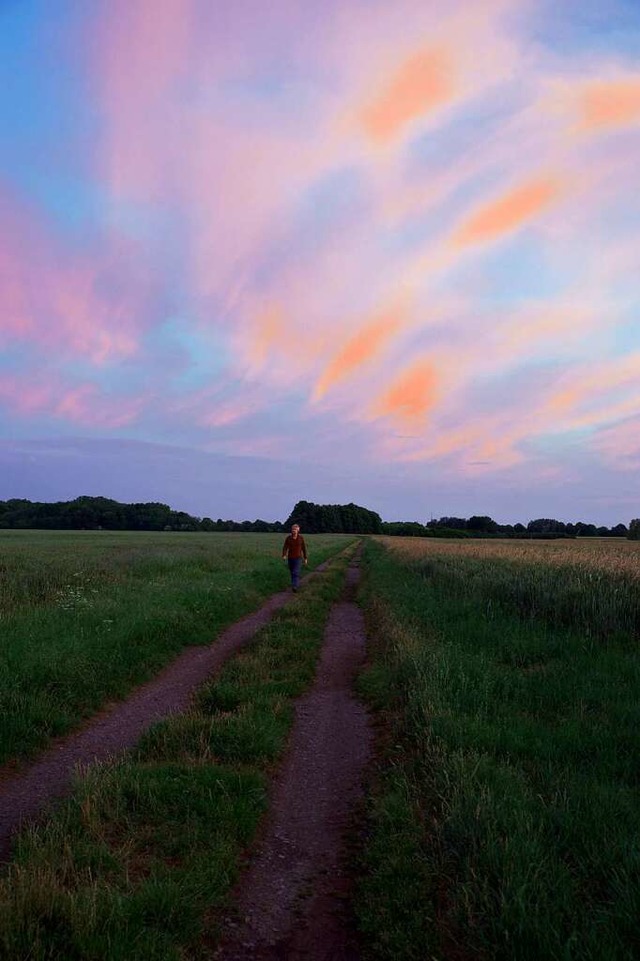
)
(503, 813)
(139, 861)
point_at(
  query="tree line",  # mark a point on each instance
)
(102, 513)
(484, 526)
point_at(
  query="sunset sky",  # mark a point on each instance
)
(333, 250)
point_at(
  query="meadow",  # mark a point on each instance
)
(140, 861)
(85, 616)
(504, 813)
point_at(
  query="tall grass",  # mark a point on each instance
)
(593, 587)
(511, 775)
(85, 616)
(139, 862)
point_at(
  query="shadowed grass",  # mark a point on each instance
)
(509, 779)
(149, 846)
(86, 616)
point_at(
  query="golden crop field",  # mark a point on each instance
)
(616, 555)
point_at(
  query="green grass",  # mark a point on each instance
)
(505, 813)
(85, 616)
(139, 862)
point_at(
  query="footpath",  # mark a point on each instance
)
(293, 899)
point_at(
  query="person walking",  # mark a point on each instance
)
(294, 552)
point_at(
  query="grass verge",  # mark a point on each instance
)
(504, 813)
(87, 616)
(139, 861)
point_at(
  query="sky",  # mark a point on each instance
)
(347, 250)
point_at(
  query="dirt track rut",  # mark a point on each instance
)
(292, 901)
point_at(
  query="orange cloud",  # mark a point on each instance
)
(617, 375)
(508, 212)
(411, 397)
(358, 350)
(566, 399)
(268, 331)
(228, 413)
(611, 104)
(425, 81)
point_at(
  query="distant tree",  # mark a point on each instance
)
(304, 515)
(620, 530)
(546, 525)
(450, 532)
(482, 524)
(451, 523)
(519, 528)
(224, 525)
(405, 529)
(334, 518)
(261, 527)
(181, 521)
(585, 530)
(634, 529)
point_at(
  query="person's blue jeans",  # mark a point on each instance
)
(295, 566)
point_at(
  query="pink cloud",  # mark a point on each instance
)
(83, 404)
(447, 121)
(228, 412)
(140, 51)
(15, 319)
(596, 381)
(89, 305)
(620, 445)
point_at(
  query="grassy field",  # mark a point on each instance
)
(505, 814)
(139, 862)
(85, 616)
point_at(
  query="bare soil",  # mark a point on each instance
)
(293, 900)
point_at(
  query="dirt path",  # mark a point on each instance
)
(26, 793)
(292, 901)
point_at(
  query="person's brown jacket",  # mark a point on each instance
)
(294, 547)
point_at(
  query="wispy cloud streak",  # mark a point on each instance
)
(408, 227)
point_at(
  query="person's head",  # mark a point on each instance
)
(295, 530)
